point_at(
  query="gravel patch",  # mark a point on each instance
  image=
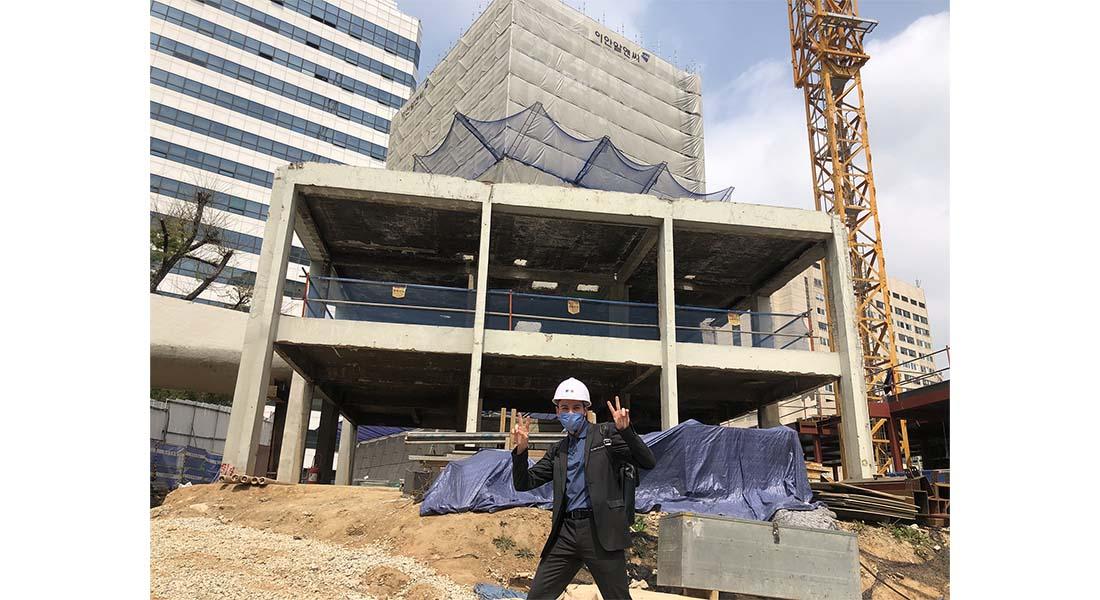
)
(819, 518)
(200, 557)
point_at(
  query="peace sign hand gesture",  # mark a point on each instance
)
(619, 414)
(520, 433)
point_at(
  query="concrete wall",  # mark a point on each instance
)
(198, 347)
(382, 459)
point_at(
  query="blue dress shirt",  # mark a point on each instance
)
(576, 491)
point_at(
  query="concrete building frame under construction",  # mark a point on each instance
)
(435, 338)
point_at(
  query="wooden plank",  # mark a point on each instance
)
(865, 514)
(863, 490)
(867, 501)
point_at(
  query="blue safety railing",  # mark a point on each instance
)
(388, 302)
(516, 311)
(700, 325)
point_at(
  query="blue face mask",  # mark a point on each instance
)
(572, 422)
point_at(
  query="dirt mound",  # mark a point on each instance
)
(916, 561)
(469, 548)
(501, 547)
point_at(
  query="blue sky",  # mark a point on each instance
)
(754, 122)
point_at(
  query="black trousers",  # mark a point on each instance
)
(577, 544)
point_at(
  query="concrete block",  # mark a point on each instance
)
(752, 557)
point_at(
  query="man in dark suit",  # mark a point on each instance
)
(589, 524)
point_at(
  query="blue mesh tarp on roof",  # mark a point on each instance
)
(745, 473)
(533, 138)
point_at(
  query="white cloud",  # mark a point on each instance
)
(756, 140)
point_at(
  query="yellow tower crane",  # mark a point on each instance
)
(826, 55)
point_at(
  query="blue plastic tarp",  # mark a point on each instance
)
(481, 483)
(175, 465)
(744, 473)
(489, 591)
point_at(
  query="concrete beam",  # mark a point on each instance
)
(374, 184)
(294, 431)
(759, 360)
(473, 404)
(751, 219)
(305, 226)
(644, 209)
(346, 458)
(781, 278)
(254, 374)
(556, 346)
(632, 262)
(579, 204)
(370, 334)
(638, 380)
(666, 317)
(857, 456)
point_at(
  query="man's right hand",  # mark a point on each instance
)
(520, 433)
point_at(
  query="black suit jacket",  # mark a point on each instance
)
(601, 474)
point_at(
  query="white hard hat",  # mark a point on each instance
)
(572, 389)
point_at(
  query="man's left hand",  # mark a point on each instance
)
(619, 414)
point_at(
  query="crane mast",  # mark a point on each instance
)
(826, 56)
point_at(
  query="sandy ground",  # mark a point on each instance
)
(310, 541)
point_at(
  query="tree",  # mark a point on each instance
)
(188, 230)
(238, 294)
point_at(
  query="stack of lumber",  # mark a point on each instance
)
(852, 502)
(815, 471)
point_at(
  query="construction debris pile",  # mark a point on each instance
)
(887, 500)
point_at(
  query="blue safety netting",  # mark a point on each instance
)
(174, 465)
(744, 473)
(533, 138)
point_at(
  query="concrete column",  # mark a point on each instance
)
(768, 416)
(856, 454)
(278, 426)
(619, 313)
(345, 465)
(461, 399)
(666, 316)
(254, 373)
(320, 289)
(762, 322)
(294, 432)
(473, 405)
(326, 442)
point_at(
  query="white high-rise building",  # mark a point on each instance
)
(241, 87)
(912, 338)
